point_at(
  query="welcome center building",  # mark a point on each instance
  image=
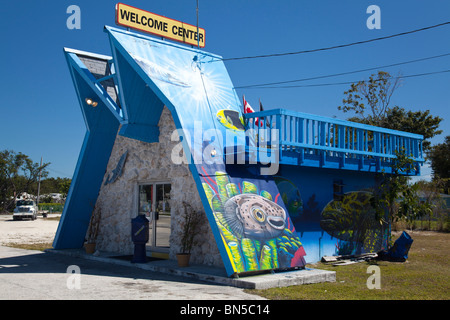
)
(276, 189)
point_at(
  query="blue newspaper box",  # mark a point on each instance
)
(139, 236)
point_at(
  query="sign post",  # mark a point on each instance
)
(131, 17)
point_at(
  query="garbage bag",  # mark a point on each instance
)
(399, 251)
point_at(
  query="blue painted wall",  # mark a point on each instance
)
(308, 191)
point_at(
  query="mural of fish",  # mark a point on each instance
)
(231, 119)
(255, 217)
(353, 221)
(291, 197)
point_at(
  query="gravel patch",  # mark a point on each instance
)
(41, 230)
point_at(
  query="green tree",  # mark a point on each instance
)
(373, 95)
(370, 101)
(395, 196)
(52, 185)
(17, 174)
(419, 122)
(64, 186)
(431, 192)
(376, 93)
(440, 162)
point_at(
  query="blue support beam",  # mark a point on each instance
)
(84, 188)
(102, 123)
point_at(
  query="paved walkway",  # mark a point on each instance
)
(27, 274)
(213, 274)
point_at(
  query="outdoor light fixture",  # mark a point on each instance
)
(91, 102)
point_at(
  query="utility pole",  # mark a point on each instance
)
(198, 34)
(39, 184)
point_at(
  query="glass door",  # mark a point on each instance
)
(161, 234)
(154, 203)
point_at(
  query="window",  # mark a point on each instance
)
(338, 190)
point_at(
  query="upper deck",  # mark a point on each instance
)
(315, 141)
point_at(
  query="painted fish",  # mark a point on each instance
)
(291, 197)
(117, 172)
(231, 119)
(255, 217)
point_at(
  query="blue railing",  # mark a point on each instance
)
(305, 139)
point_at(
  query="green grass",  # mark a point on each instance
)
(423, 225)
(41, 246)
(424, 276)
(57, 218)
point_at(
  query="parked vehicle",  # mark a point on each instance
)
(25, 209)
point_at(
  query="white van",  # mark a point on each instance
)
(25, 209)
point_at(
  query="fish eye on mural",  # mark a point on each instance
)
(253, 216)
(258, 214)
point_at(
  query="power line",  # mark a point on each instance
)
(341, 73)
(58, 172)
(349, 82)
(338, 46)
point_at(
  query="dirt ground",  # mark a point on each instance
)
(27, 231)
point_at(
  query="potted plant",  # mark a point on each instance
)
(92, 233)
(191, 227)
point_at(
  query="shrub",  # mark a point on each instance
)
(55, 207)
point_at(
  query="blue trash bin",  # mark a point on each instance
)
(139, 236)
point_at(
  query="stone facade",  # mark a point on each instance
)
(118, 202)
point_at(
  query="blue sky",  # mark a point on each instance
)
(39, 107)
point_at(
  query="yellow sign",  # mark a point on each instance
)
(142, 20)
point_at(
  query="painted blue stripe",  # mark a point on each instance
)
(102, 126)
